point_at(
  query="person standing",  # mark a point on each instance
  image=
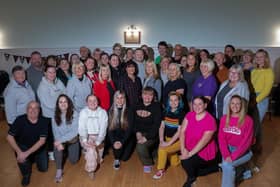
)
(17, 95)
(35, 70)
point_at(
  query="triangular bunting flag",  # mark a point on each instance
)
(15, 58)
(7, 56)
(27, 59)
(21, 58)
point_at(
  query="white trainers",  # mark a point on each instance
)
(158, 174)
(51, 155)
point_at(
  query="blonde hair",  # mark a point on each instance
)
(242, 112)
(177, 70)
(210, 64)
(113, 113)
(266, 58)
(155, 71)
(105, 67)
(239, 69)
(76, 65)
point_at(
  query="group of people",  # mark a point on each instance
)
(185, 108)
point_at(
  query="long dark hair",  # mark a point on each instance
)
(69, 112)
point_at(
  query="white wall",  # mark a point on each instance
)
(62, 23)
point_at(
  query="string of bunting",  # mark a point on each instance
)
(27, 58)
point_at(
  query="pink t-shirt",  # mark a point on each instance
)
(240, 138)
(194, 132)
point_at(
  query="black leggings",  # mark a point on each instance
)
(196, 166)
(125, 151)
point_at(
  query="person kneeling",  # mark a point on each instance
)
(120, 130)
(235, 139)
(93, 122)
(169, 133)
(198, 147)
(27, 136)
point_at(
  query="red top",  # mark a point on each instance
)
(102, 93)
(93, 78)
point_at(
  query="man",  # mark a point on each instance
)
(222, 70)
(84, 53)
(17, 95)
(229, 52)
(162, 50)
(35, 70)
(139, 60)
(27, 136)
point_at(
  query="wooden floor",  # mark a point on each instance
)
(131, 175)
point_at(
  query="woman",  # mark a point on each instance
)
(183, 63)
(235, 85)
(198, 147)
(247, 60)
(175, 83)
(235, 139)
(91, 72)
(93, 121)
(48, 91)
(128, 54)
(190, 74)
(204, 55)
(120, 130)
(64, 72)
(104, 58)
(74, 59)
(146, 117)
(65, 131)
(131, 84)
(79, 87)
(262, 79)
(169, 133)
(17, 95)
(164, 63)
(206, 84)
(152, 78)
(51, 61)
(104, 87)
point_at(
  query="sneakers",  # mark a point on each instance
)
(147, 169)
(25, 180)
(116, 164)
(91, 175)
(51, 156)
(158, 174)
(58, 176)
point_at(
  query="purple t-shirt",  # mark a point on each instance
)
(194, 132)
(205, 87)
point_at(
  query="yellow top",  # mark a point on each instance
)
(262, 80)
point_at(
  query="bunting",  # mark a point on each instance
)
(27, 58)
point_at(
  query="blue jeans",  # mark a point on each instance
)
(228, 178)
(262, 107)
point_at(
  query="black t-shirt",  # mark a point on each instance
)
(172, 120)
(26, 133)
(148, 125)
